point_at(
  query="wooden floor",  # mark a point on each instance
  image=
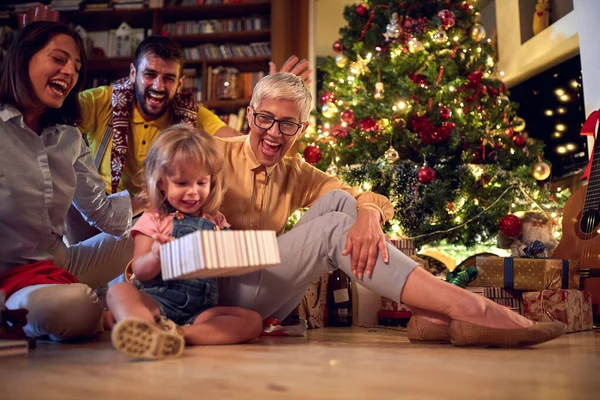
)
(331, 363)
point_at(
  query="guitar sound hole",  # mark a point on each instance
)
(589, 221)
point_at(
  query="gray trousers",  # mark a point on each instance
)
(312, 248)
(74, 310)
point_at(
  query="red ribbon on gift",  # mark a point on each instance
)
(589, 128)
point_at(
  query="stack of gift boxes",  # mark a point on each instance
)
(541, 289)
(393, 312)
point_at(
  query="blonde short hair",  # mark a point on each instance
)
(175, 145)
(283, 86)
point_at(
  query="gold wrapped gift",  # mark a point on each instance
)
(527, 273)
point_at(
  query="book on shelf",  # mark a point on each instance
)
(192, 83)
(13, 348)
(224, 51)
(216, 26)
(205, 254)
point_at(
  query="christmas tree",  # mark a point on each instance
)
(412, 107)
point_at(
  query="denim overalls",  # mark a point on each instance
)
(182, 300)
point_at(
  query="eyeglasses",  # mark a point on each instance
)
(264, 121)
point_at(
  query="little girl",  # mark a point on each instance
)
(181, 193)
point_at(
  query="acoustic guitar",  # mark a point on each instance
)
(581, 223)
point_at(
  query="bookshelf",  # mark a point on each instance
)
(278, 23)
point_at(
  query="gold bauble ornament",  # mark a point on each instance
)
(439, 37)
(415, 45)
(332, 170)
(341, 60)
(477, 32)
(541, 171)
(399, 124)
(329, 109)
(391, 155)
(518, 124)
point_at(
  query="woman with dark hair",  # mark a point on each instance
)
(44, 167)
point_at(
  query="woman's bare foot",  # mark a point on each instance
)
(424, 291)
(481, 311)
(434, 318)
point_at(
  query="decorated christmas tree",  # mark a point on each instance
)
(412, 107)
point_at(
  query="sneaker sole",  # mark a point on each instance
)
(140, 339)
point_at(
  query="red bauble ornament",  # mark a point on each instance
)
(312, 154)
(339, 131)
(519, 140)
(510, 225)
(447, 18)
(368, 124)
(445, 113)
(347, 116)
(362, 10)
(425, 174)
(326, 98)
(510, 133)
(337, 46)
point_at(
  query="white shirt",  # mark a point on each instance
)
(40, 175)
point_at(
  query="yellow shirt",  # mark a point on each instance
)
(259, 198)
(96, 112)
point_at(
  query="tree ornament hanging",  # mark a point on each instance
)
(368, 125)
(341, 60)
(518, 124)
(439, 37)
(398, 124)
(519, 140)
(425, 174)
(503, 101)
(541, 171)
(312, 154)
(510, 225)
(327, 97)
(362, 9)
(337, 46)
(415, 45)
(392, 30)
(447, 18)
(332, 170)
(445, 113)
(359, 66)
(329, 110)
(347, 116)
(378, 87)
(477, 32)
(391, 155)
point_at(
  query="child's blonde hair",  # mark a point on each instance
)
(174, 146)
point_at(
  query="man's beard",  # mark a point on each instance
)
(532, 233)
(141, 97)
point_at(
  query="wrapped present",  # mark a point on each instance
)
(314, 304)
(407, 246)
(391, 305)
(527, 273)
(571, 307)
(507, 297)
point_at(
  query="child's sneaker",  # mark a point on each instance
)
(142, 339)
